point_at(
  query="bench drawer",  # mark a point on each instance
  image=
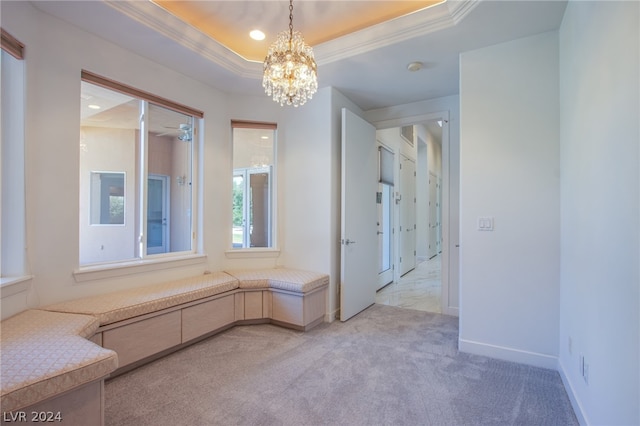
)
(206, 317)
(133, 342)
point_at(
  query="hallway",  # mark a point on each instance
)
(419, 289)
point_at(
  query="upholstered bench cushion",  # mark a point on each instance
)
(280, 278)
(46, 353)
(125, 304)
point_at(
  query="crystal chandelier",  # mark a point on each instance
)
(290, 72)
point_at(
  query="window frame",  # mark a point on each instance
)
(150, 261)
(14, 273)
(272, 250)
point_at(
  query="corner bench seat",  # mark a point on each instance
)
(145, 323)
(45, 354)
(59, 355)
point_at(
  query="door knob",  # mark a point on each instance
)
(348, 241)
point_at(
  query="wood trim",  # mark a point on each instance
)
(241, 124)
(11, 45)
(107, 83)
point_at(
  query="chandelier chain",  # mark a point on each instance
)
(291, 18)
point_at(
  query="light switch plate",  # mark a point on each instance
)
(485, 223)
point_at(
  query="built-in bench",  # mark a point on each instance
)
(49, 368)
(142, 324)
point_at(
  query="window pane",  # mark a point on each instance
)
(259, 183)
(169, 181)
(135, 175)
(12, 162)
(238, 211)
(253, 161)
(109, 138)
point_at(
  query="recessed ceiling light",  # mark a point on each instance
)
(264, 137)
(257, 35)
(93, 106)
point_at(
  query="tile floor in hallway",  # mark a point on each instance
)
(419, 289)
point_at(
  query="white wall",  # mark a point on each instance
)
(600, 213)
(509, 162)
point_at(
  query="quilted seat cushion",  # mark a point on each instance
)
(280, 278)
(125, 304)
(46, 353)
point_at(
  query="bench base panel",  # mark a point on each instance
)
(78, 407)
(149, 337)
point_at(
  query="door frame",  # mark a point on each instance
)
(450, 255)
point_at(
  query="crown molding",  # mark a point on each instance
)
(158, 19)
(416, 24)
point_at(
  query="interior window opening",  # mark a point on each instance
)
(253, 185)
(136, 174)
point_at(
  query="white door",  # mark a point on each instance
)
(157, 214)
(407, 227)
(359, 244)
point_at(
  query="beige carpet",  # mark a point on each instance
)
(386, 366)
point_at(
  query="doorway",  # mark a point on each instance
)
(418, 283)
(357, 287)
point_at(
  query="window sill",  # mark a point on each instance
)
(112, 270)
(252, 253)
(14, 285)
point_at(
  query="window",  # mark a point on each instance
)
(12, 180)
(136, 174)
(253, 184)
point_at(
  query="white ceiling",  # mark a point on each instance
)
(368, 66)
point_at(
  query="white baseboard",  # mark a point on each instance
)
(509, 354)
(332, 316)
(455, 312)
(575, 402)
